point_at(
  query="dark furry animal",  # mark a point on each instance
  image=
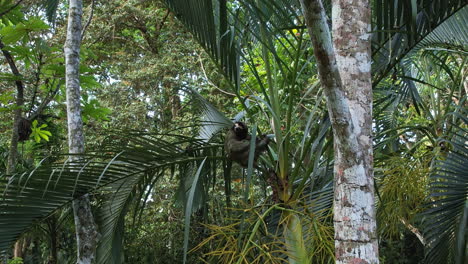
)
(237, 144)
(24, 129)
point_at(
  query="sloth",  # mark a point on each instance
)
(237, 144)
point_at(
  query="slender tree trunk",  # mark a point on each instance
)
(13, 151)
(52, 225)
(86, 230)
(18, 249)
(344, 69)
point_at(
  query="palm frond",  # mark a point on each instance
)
(51, 9)
(188, 208)
(424, 67)
(208, 22)
(401, 25)
(111, 218)
(451, 34)
(37, 193)
(211, 119)
(445, 220)
(227, 31)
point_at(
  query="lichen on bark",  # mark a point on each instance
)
(344, 69)
(86, 229)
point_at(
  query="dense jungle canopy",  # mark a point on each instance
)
(349, 175)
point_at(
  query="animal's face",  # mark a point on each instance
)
(240, 129)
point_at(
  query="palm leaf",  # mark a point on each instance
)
(207, 20)
(33, 195)
(188, 208)
(110, 219)
(448, 40)
(400, 25)
(211, 119)
(451, 34)
(445, 220)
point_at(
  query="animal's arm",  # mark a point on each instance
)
(262, 145)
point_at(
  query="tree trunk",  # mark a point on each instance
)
(86, 230)
(354, 219)
(52, 225)
(18, 249)
(344, 69)
(13, 151)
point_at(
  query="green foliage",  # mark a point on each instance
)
(92, 109)
(39, 133)
(156, 235)
(14, 15)
(263, 241)
(446, 214)
(417, 113)
(4, 99)
(402, 187)
(15, 261)
(137, 61)
(20, 32)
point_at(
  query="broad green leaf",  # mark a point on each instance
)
(12, 34)
(38, 133)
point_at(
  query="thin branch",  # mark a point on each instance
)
(13, 152)
(14, 69)
(44, 103)
(208, 80)
(158, 31)
(131, 42)
(414, 230)
(163, 21)
(93, 4)
(36, 83)
(11, 8)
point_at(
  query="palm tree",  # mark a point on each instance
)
(420, 112)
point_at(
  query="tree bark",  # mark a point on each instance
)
(52, 225)
(13, 151)
(86, 230)
(344, 69)
(354, 219)
(18, 249)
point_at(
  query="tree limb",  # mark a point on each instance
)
(13, 152)
(93, 4)
(11, 8)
